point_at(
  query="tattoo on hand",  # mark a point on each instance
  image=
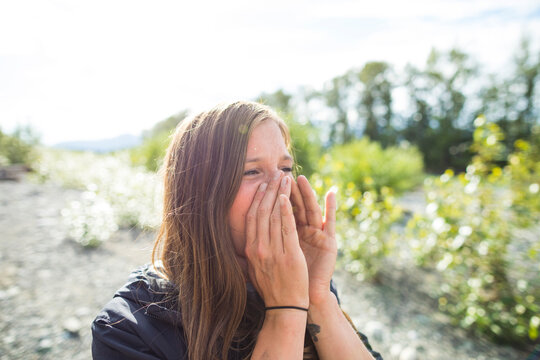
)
(314, 329)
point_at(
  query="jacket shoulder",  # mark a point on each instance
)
(135, 324)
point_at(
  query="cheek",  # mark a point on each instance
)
(237, 216)
(240, 207)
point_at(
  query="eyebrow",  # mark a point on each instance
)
(284, 157)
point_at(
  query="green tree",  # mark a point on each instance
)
(375, 104)
(305, 137)
(511, 102)
(336, 96)
(438, 124)
(167, 125)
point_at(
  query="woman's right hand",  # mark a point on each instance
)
(277, 266)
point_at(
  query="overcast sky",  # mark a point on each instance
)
(79, 70)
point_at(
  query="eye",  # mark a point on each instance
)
(286, 169)
(251, 172)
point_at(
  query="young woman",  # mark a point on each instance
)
(243, 260)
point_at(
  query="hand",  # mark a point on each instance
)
(317, 236)
(276, 264)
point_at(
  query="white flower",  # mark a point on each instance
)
(431, 208)
(89, 221)
(483, 248)
(458, 241)
(445, 261)
(470, 188)
(474, 282)
(522, 285)
(439, 225)
(465, 230)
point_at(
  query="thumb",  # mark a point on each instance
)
(329, 225)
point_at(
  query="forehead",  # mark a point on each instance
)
(267, 138)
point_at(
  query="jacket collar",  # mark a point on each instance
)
(153, 293)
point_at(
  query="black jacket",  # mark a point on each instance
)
(140, 323)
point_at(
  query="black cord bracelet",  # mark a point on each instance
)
(285, 307)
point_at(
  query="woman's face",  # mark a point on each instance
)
(266, 155)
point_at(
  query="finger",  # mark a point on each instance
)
(297, 201)
(265, 208)
(313, 211)
(330, 202)
(288, 188)
(251, 216)
(276, 239)
(288, 225)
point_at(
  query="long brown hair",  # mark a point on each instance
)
(202, 171)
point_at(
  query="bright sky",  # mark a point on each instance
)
(79, 70)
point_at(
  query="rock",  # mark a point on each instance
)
(409, 353)
(44, 274)
(83, 311)
(13, 291)
(467, 345)
(395, 350)
(72, 325)
(9, 339)
(13, 172)
(45, 345)
(423, 319)
(375, 330)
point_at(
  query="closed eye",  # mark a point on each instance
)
(256, 172)
(251, 172)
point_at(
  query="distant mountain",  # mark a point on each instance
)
(120, 142)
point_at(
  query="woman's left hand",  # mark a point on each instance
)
(317, 236)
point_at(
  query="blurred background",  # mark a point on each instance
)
(425, 114)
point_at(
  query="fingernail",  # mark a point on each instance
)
(263, 186)
(277, 175)
(284, 181)
(334, 189)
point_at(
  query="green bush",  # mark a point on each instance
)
(523, 172)
(370, 167)
(151, 152)
(109, 181)
(90, 220)
(364, 226)
(18, 148)
(367, 177)
(490, 282)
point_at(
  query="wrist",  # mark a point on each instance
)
(324, 296)
(282, 335)
(323, 302)
(287, 319)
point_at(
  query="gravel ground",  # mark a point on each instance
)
(52, 288)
